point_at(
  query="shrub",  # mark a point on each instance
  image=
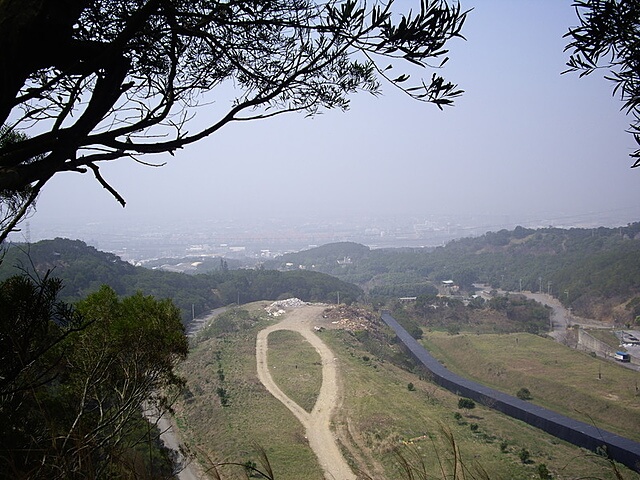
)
(524, 394)
(525, 456)
(466, 403)
(543, 472)
(411, 387)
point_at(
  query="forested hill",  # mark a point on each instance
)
(595, 271)
(84, 269)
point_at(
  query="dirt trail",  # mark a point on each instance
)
(317, 423)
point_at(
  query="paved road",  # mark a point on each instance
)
(561, 319)
(317, 423)
(190, 470)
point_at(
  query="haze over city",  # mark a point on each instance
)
(523, 145)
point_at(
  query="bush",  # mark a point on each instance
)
(524, 394)
(543, 472)
(525, 456)
(466, 403)
(411, 387)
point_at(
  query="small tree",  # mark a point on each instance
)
(71, 389)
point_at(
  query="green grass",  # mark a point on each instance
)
(298, 367)
(383, 416)
(568, 381)
(605, 336)
(253, 417)
(378, 416)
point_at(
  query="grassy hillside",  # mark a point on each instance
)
(381, 419)
(570, 382)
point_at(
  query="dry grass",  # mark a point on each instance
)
(295, 367)
(379, 423)
(571, 382)
(251, 418)
(384, 417)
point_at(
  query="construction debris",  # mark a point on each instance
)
(350, 318)
(279, 307)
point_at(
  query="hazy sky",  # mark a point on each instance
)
(523, 140)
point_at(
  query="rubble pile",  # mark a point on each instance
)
(350, 318)
(279, 307)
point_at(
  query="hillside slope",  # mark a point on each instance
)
(596, 272)
(84, 269)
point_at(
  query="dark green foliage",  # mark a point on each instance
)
(453, 329)
(543, 472)
(584, 268)
(74, 381)
(411, 387)
(524, 455)
(533, 315)
(524, 394)
(223, 395)
(408, 323)
(404, 290)
(33, 325)
(466, 403)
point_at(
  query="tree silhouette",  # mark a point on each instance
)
(92, 81)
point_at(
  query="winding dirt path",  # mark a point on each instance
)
(317, 423)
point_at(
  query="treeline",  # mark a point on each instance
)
(594, 271)
(83, 270)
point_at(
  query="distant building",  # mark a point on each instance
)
(449, 287)
(407, 299)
